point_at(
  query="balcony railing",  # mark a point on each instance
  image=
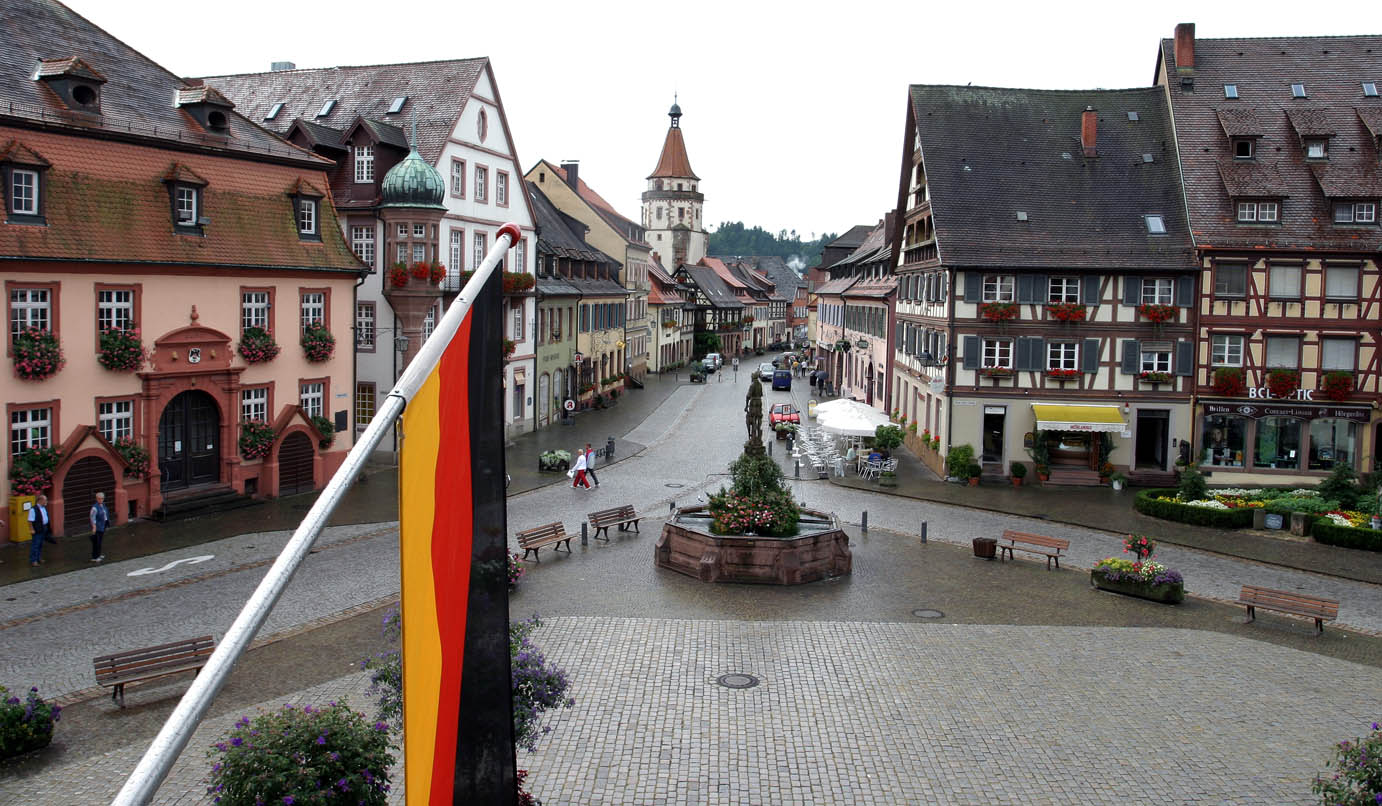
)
(920, 253)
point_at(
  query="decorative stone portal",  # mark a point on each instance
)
(819, 551)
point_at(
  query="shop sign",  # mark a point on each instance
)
(1273, 521)
(1263, 393)
(995, 410)
(1259, 411)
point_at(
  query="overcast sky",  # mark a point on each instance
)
(793, 115)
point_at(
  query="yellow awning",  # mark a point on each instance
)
(1053, 417)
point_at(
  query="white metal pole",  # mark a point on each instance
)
(172, 738)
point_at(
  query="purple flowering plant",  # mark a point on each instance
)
(324, 756)
(26, 724)
(37, 354)
(1357, 776)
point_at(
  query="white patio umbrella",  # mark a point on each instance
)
(844, 404)
(862, 422)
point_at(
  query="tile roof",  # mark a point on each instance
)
(556, 287)
(1240, 122)
(836, 286)
(43, 37)
(873, 288)
(673, 161)
(713, 286)
(317, 134)
(561, 235)
(1332, 69)
(1244, 178)
(994, 153)
(107, 201)
(627, 228)
(436, 92)
(852, 237)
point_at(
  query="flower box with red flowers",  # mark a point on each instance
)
(516, 282)
(1337, 385)
(256, 439)
(317, 342)
(1152, 376)
(136, 457)
(398, 275)
(1228, 381)
(1063, 374)
(1157, 313)
(121, 350)
(997, 372)
(257, 345)
(1067, 311)
(31, 472)
(1283, 382)
(37, 354)
(998, 311)
(509, 346)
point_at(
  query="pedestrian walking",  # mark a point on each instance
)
(590, 465)
(100, 518)
(41, 529)
(578, 470)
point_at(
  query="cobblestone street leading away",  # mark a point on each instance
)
(1030, 687)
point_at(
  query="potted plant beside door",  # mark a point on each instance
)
(1019, 471)
(975, 471)
(1118, 480)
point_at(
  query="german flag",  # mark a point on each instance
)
(458, 720)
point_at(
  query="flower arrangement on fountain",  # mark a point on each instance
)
(757, 501)
(317, 342)
(37, 354)
(121, 350)
(1142, 577)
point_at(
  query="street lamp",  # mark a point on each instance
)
(400, 342)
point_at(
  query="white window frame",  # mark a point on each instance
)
(1062, 355)
(364, 164)
(24, 191)
(501, 189)
(362, 243)
(1063, 289)
(307, 216)
(365, 325)
(458, 249)
(1317, 148)
(1358, 212)
(458, 178)
(311, 396)
(312, 308)
(479, 243)
(997, 353)
(1158, 291)
(481, 184)
(254, 404)
(1226, 350)
(254, 310)
(1326, 365)
(115, 419)
(30, 429)
(1156, 361)
(187, 201)
(518, 322)
(999, 287)
(29, 307)
(419, 253)
(114, 309)
(429, 323)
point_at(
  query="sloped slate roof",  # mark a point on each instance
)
(992, 153)
(556, 236)
(1251, 179)
(1240, 122)
(136, 101)
(630, 231)
(714, 288)
(436, 92)
(556, 287)
(1312, 122)
(1348, 182)
(837, 286)
(317, 134)
(1332, 68)
(873, 288)
(852, 237)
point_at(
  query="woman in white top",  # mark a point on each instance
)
(579, 467)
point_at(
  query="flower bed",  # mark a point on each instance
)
(37, 354)
(1162, 503)
(121, 350)
(25, 725)
(1325, 530)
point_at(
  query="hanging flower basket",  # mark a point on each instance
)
(1067, 311)
(516, 282)
(37, 354)
(1064, 374)
(1283, 382)
(326, 429)
(318, 343)
(1157, 313)
(136, 457)
(31, 472)
(998, 311)
(1228, 381)
(256, 439)
(257, 346)
(1151, 376)
(509, 346)
(121, 350)
(1337, 385)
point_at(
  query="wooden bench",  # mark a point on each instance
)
(1050, 547)
(618, 516)
(151, 662)
(551, 534)
(1299, 604)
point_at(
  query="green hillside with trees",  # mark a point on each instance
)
(733, 238)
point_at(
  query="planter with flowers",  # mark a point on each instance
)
(1067, 311)
(318, 343)
(25, 725)
(1154, 377)
(998, 311)
(516, 282)
(1156, 314)
(997, 372)
(1228, 381)
(1063, 375)
(37, 354)
(256, 439)
(398, 275)
(31, 472)
(1337, 385)
(136, 457)
(121, 350)
(1143, 577)
(257, 345)
(1283, 382)
(509, 346)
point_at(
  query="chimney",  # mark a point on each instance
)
(573, 173)
(1089, 131)
(1185, 47)
(279, 67)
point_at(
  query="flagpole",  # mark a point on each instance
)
(177, 731)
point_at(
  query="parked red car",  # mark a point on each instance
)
(784, 413)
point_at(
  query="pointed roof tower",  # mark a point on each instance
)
(673, 163)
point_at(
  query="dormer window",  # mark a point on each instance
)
(1259, 212)
(206, 106)
(186, 203)
(74, 82)
(1316, 148)
(1244, 148)
(1355, 212)
(364, 163)
(185, 197)
(22, 172)
(307, 218)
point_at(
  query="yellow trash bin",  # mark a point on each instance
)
(19, 517)
(811, 408)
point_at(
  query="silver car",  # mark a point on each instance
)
(765, 371)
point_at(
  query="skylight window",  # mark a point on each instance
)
(326, 108)
(1297, 90)
(1370, 89)
(1156, 225)
(1147, 158)
(397, 105)
(273, 113)
(1021, 215)
(1230, 90)
(1132, 116)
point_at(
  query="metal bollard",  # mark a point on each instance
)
(584, 541)
(609, 449)
(863, 525)
(770, 447)
(796, 468)
(923, 532)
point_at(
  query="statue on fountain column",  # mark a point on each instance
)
(753, 417)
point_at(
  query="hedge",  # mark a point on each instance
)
(1326, 531)
(1146, 503)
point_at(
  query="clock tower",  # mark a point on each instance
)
(672, 202)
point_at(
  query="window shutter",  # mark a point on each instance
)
(1024, 287)
(1132, 357)
(1185, 291)
(1029, 350)
(1089, 355)
(971, 357)
(1185, 357)
(1041, 286)
(1132, 290)
(1089, 289)
(974, 286)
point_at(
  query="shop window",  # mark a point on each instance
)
(1224, 440)
(1278, 443)
(1332, 442)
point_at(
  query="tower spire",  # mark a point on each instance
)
(675, 112)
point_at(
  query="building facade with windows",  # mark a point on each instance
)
(1280, 155)
(1047, 279)
(717, 312)
(189, 266)
(365, 119)
(673, 318)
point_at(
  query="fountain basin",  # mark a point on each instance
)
(820, 550)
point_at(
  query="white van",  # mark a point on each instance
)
(719, 359)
